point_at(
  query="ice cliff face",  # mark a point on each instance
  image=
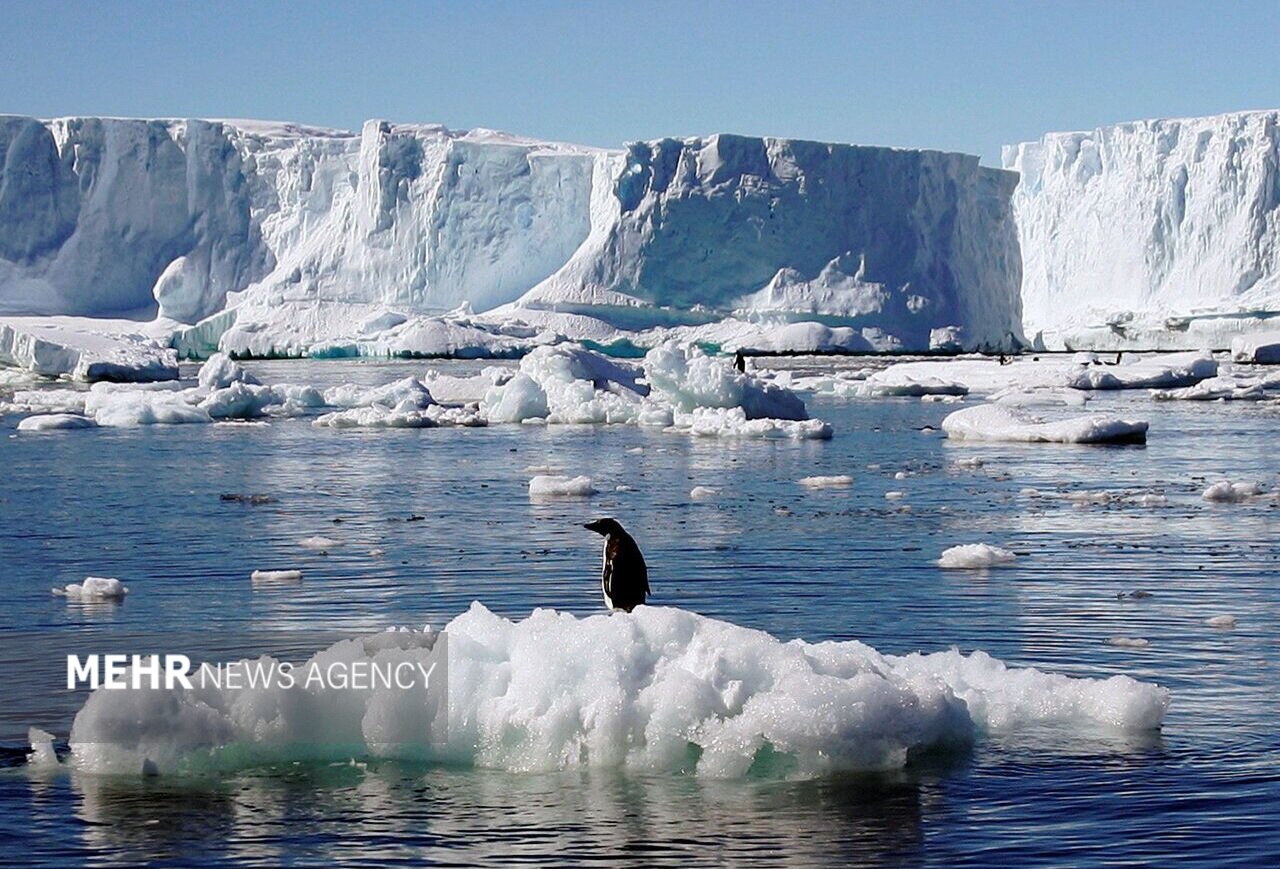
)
(896, 241)
(317, 234)
(1157, 234)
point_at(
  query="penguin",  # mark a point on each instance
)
(624, 579)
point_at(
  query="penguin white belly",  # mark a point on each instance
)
(604, 573)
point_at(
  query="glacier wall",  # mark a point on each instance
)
(899, 242)
(321, 235)
(1156, 234)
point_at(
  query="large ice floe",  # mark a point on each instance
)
(994, 422)
(277, 239)
(1157, 234)
(1027, 379)
(658, 689)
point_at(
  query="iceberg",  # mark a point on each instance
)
(1159, 234)
(279, 239)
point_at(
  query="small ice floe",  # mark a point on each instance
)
(93, 588)
(901, 475)
(975, 556)
(900, 381)
(623, 488)
(55, 422)
(553, 486)
(991, 422)
(275, 577)
(1223, 621)
(635, 451)
(42, 753)
(894, 496)
(1128, 642)
(376, 552)
(1232, 493)
(319, 542)
(700, 492)
(833, 481)
(972, 463)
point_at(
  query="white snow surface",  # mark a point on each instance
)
(659, 689)
(975, 556)
(94, 588)
(993, 422)
(559, 486)
(1157, 234)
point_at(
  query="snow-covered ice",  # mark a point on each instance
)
(975, 556)
(826, 481)
(658, 689)
(552, 485)
(275, 577)
(1233, 492)
(55, 422)
(992, 422)
(94, 588)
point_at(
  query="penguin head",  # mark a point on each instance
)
(604, 527)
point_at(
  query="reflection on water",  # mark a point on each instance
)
(427, 521)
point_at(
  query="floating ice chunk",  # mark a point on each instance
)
(1040, 396)
(1223, 621)
(971, 462)
(1155, 372)
(1260, 349)
(733, 422)
(220, 371)
(377, 416)
(1128, 642)
(700, 492)
(689, 379)
(275, 577)
(894, 496)
(407, 392)
(55, 422)
(42, 753)
(549, 485)
(47, 401)
(84, 349)
(134, 407)
(319, 542)
(974, 556)
(1221, 388)
(239, 400)
(1228, 492)
(94, 588)
(834, 481)
(896, 380)
(658, 689)
(990, 422)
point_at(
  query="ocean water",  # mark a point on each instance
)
(450, 509)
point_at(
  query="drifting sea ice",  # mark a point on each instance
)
(975, 556)
(555, 486)
(55, 422)
(94, 588)
(833, 481)
(659, 689)
(1232, 493)
(990, 422)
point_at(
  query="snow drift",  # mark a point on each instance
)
(659, 689)
(273, 239)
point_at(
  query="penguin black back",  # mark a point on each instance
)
(624, 577)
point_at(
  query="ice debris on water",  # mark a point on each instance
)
(975, 556)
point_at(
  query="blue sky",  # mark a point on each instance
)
(964, 76)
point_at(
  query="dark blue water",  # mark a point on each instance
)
(144, 505)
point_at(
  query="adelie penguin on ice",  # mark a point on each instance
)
(624, 579)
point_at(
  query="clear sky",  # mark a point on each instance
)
(964, 76)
